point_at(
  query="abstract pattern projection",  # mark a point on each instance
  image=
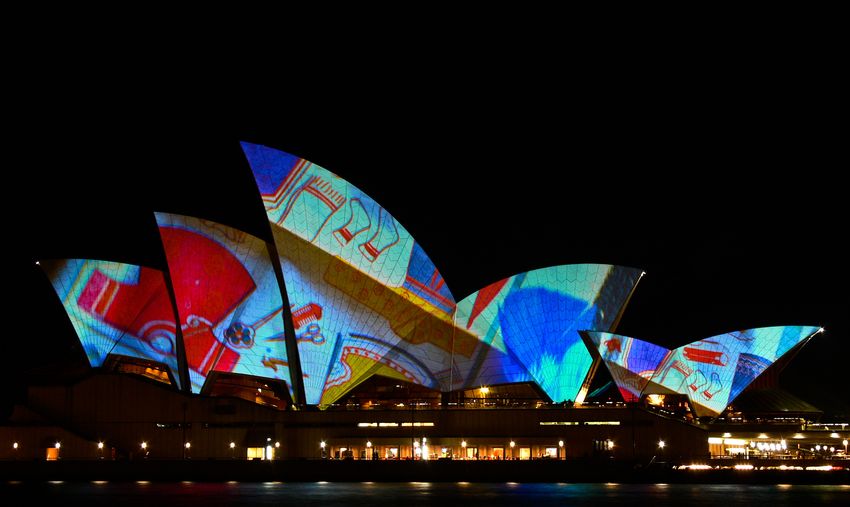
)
(630, 361)
(529, 324)
(117, 309)
(365, 297)
(228, 300)
(713, 371)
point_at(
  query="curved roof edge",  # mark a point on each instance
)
(502, 281)
(711, 371)
(630, 361)
(815, 330)
(282, 178)
(241, 307)
(530, 323)
(39, 262)
(117, 308)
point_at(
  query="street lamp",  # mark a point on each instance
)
(843, 442)
(560, 448)
(322, 446)
(369, 454)
(100, 450)
(512, 444)
(232, 450)
(661, 444)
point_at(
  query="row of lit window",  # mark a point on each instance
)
(701, 466)
(463, 443)
(579, 423)
(393, 424)
(754, 444)
(421, 451)
(608, 443)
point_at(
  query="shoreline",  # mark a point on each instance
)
(403, 471)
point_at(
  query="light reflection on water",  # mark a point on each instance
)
(377, 494)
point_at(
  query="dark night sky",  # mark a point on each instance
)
(722, 186)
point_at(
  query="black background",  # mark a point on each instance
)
(716, 172)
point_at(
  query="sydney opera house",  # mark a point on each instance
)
(337, 337)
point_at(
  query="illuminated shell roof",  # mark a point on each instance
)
(712, 372)
(228, 299)
(529, 323)
(118, 309)
(630, 361)
(365, 299)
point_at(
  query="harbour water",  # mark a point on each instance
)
(409, 494)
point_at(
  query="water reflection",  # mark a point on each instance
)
(412, 494)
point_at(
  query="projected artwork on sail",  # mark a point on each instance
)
(713, 371)
(228, 299)
(352, 271)
(117, 308)
(530, 322)
(631, 362)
